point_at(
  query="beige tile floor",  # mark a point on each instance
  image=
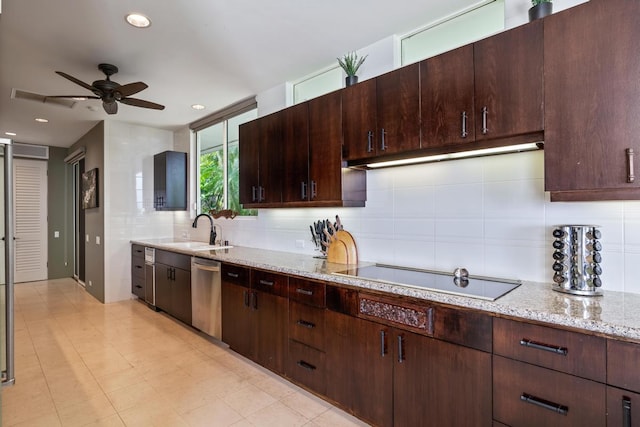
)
(83, 363)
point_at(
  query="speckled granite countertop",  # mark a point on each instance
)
(615, 314)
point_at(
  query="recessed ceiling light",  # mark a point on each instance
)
(41, 120)
(198, 107)
(10, 133)
(138, 20)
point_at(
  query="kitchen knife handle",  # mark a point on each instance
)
(631, 177)
(485, 113)
(400, 349)
(369, 141)
(383, 146)
(314, 189)
(626, 411)
(464, 132)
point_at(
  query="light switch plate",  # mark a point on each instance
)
(97, 240)
(87, 239)
(56, 234)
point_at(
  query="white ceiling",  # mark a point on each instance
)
(211, 52)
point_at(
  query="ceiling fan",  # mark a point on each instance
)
(110, 92)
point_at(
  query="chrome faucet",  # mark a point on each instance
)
(212, 234)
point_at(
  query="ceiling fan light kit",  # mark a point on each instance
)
(109, 91)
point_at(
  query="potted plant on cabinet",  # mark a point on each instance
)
(540, 9)
(350, 63)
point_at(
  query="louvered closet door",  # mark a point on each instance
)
(30, 194)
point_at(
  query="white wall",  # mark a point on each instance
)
(128, 199)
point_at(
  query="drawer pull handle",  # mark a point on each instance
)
(138, 266)
(560, 409)
(304, 292)
(546, 347)
(266, 282)
(306, 324)
(626, 412)
(245, 294)
(234, 275)
(305, 365)
(138, 286)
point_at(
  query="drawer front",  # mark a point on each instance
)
(571, 352)
(306, 366)
(623, 360)
(306, 325)
(622, 408)
(307, 292)
(235, 274)
(137, 251)
(137, 267)
(173, 259)
(137, 286)
(528, 395)
(270, 283)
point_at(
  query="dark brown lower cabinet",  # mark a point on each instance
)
(269, 325)
(236, 320)
(173, 291)
(528, 395)
(622, 407)
(389, 376)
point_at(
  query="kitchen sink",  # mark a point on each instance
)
(195, 246)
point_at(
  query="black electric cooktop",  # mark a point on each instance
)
(486, 288)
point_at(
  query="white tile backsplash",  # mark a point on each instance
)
(490, 215)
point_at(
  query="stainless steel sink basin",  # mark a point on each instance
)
(195, 246)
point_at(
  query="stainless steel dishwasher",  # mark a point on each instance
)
(206, 296)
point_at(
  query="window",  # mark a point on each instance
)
(452, 33)
(318, 84)
(218, 167)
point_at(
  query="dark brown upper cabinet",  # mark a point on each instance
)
(170, 181)
(306, 141)
(486, 91)
(381, 116)
(260, 152)
(592, 101)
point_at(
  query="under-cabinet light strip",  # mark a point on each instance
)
(460, 155)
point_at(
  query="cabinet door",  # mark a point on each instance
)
(359, 120)
(443, 383)
(270, 164)
(508, 82)
(270, 320)
(181, 295)
(325, 148)
(447, 104)
(249, 161)
(398, 110)
(360, 367)
(295, 146)
(592, 97)
(236, 319)
(163, 287)
(621, 406)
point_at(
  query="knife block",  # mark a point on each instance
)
(342, 248)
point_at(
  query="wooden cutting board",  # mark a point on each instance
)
(350, 244)
(337, 252)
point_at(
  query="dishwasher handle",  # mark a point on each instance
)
(202, 264)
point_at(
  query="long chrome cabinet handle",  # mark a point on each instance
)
(383, 145)
(626, 412)
(464, 133)
(631, 177)
(314, 189)
(369, 141)
(383, 343)
(551, 406)
(303, 190)
(545, 347)
(485, 113)
(400, 349)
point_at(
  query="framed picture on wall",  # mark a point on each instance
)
(90, 189)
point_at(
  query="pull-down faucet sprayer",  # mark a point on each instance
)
(212, 234)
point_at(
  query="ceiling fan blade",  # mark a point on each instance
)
(142, 103)
(73, 96)
(110, 107)
(131, 88)
(76, 81)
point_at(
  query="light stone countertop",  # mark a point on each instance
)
(615, 314)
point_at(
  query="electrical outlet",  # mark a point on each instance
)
(56, 234)
(300, 244)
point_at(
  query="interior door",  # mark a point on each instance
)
(30, 204)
